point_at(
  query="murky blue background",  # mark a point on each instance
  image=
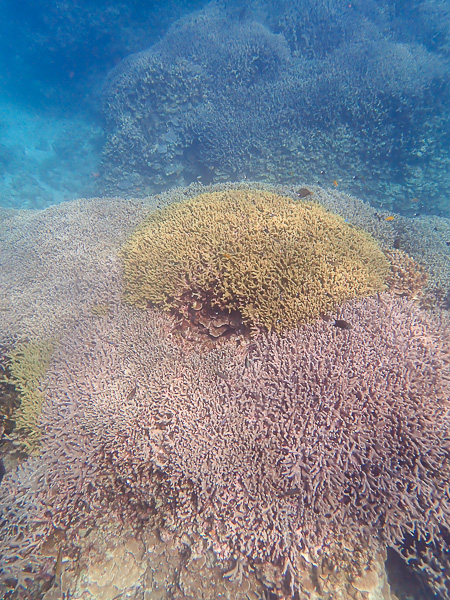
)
(348, 94)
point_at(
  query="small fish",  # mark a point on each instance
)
(291, 492)
(132, 394)
(335, 182)
(342, 324)
(220, 374)
(415, 200)
(59, 567)
(390, 218)
(303, 192)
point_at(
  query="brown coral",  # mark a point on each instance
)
(249, 256)
(407, 278)
(28, 364)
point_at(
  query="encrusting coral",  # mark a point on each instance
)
(249, 257)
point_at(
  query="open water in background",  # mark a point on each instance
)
(358, 92)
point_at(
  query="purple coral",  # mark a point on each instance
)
(286, 446)
(322, 434)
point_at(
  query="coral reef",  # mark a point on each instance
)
(270, 262)
(61, 263)
(319, 447)
(69, 499)
(28, 364)
(300, 413)
(426, 240)
(407, 278)
(8, 395)
(145, 433)
(23, 524)
(277, 90)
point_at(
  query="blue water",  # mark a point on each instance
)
(353, 94)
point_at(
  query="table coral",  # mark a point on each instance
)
(252, 257)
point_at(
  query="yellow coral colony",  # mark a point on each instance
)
(274, 261)
(28, 363)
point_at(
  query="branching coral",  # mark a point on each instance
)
(308, 444)
(23, 524)
(407, 278)
(315, 446)
(28, 364)
(249, 255)
(229, 92)
(316, 436)
(305, 452)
